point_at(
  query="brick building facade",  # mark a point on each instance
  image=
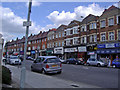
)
(93, 37)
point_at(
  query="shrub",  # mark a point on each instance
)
(6, 75)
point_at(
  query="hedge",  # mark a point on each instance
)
(6, 75)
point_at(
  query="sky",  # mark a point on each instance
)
(44, 15)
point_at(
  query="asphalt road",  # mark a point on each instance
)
(98, 76)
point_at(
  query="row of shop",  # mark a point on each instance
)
(109, 50)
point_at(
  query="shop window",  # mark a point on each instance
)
(111, 35)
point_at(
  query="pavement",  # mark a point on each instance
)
(38, 80)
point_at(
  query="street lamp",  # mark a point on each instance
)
(23, 70)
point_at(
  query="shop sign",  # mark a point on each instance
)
(101, 46)
(108, 51)
(112, 45)
(70, 49)
(117, 45)
(82, 49)
(91, 53)
(28, 53)
(32, 52)
(58, 50)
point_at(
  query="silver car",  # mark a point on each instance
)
(47, 64)
(14, 60)
(92, 61)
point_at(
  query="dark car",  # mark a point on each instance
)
(73, 61)
(116, 63)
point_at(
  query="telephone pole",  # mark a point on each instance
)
(23, 70)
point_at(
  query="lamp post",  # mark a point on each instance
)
(23, 70)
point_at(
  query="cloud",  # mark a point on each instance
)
(34, 3)
(12, 25)
(65, 17)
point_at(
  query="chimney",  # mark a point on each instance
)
(40, 31)
(17, 38)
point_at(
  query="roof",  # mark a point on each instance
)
(111, 11)
(90, 18)
(44, 35)
(73, 23)
(61, 27)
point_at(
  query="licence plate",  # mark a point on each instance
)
(54, 65)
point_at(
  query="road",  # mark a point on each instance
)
(98, 76)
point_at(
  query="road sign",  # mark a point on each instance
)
(25, 23)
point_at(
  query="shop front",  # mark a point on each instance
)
(109, 50)
(71, 53)
(50, 51)
(91, 51)
(59, 52)
(42, 52)
(32, 53)
(82, 53)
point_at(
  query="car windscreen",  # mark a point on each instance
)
(100, 60)
(13, 57)
(53, 60)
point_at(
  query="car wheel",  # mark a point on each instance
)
(59, 72)
(68, 62)
(32, 68)
(114, 66)
(76, 63)
(98, 65)
(44, 72)
(88, 64)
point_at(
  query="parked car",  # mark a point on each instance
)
(73, 61)
(92, 61)
(3, 59)
(14, 60)
(30, 58)
(47, 64)
(116, 63)
(21, 57)
(63, 61)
